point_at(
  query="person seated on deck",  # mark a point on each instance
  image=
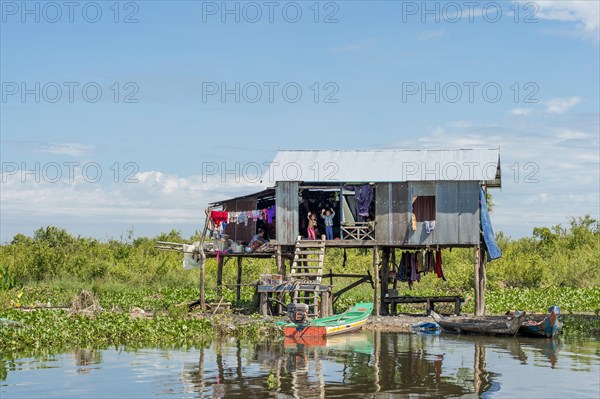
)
(257, 241)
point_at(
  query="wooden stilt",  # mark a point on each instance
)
(482, 279)
(385, 271)
(264, 303)
(376, 279)
(202, 302)
(324, 303)
(238, 288)
(395, 266)
(477, 277)
(279, 261)
(220, 278)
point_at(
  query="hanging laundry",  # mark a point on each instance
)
(429, 226)
(438, 265)
(402, 275)
(243, 218)
(219, 217)
(270, 214)
(363, 195)
(413, 267)
(420, 262)
(430, 262)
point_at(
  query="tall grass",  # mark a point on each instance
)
(552, 257)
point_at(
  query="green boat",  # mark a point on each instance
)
(351, 320)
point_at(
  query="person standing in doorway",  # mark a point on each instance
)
(312, 223)
(328, 216)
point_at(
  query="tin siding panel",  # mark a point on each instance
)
(400, 213)
(382, 213)
(468, 213)
(457, 213)
(286, 198)
(446, 224)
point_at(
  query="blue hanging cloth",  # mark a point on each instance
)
(486, 226)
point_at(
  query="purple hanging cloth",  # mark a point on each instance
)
(364, 196)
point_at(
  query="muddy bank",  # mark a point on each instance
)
(401, 323)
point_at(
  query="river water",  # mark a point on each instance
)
(364, 364)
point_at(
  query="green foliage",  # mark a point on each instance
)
(570, 300)
(271, 381)
(581, 325)
(559, 264)
(7, 280)
(60, 330)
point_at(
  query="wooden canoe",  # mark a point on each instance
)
(351, 320)
(548, 327)
(488, 325)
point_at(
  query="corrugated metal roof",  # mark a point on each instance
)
(386, 166)
(263, 193)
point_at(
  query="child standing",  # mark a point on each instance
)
(312, 223)
(328, 216)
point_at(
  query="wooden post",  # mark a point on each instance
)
(324, 303)
(238, 292)
(202, 303)
(385, 271)
(220, 278)
(477, 278)
(264, 304)
(279, 261)
(482, 279)
(376, 279)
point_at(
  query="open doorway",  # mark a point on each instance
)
(321, 203)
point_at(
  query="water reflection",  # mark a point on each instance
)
(365, 363)
(361, 365)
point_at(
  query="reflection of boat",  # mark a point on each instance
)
(351, 320)
(491, 325)
(548, 327)
(356, 342)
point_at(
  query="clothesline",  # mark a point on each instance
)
(220, 217)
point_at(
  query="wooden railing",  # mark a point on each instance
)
(358, 231)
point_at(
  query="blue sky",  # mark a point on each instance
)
(157, 123)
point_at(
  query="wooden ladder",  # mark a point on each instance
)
(307, 271)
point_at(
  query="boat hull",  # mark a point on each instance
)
(350, 321)
(321, 331)
(483, 325)
(549, 327)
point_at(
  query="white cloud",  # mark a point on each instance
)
(561, 105)
(521, 111)
(460, 124)
(431, 34)
(550, 170)
(569, 134)
(346, 49)
(155, 199)
(437, 131)
(585, 14)
(70, 149)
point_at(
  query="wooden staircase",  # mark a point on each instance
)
(307, 271)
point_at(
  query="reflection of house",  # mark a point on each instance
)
(386, 199)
